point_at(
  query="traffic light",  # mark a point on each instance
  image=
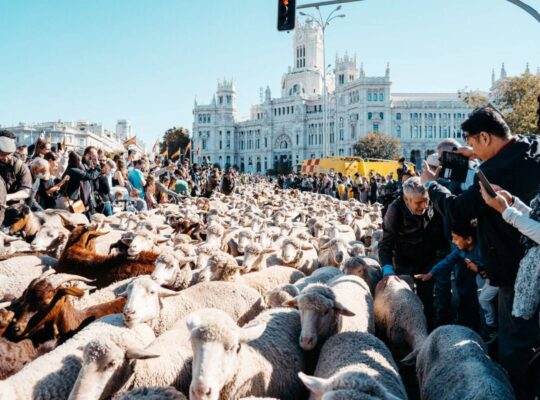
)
(286, 15)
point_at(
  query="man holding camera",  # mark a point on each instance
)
(16, 181)
(514, 164)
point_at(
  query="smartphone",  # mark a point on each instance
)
(485, 183)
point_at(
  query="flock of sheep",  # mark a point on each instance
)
(261, 294)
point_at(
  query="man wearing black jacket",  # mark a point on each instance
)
(412, 236)
(512, 162)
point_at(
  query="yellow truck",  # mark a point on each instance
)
(349, 165)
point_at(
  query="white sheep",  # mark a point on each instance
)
(343, 305)
(298, 254)
(366, 268)
(453, 364)
(53, 375)
(148, 302)
(173, 271)
(282, 293)
(355, 365)
(230, 362)
(399, 313)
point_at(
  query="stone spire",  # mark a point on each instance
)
(537, 71)
(268, 94)
(503, 72)
(195, 102)
(362, 73)
(493, 77)
(387, 74)
(527, 69)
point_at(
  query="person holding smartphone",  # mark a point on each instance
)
(514, 163)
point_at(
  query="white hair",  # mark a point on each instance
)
(39, 162)
(413, 186)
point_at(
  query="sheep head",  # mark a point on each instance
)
(51, 240)
(221, 267)
(144, 300)
(42, 301)
(292, 250)
(104, 362)
(6, 316)
(319, 312)
(17, 217)
(216, 340)
(143, 241)
(346, 385)
(173, 271)
(280, 294)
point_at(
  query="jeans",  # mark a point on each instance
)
(515, 345)
(468, 306)
(487, 294)
(107, 209)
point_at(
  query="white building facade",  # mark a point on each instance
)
(77, 135)
(289, 128)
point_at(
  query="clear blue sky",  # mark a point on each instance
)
(146, 60)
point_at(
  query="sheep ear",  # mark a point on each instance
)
(314, 384)
(5, 304)
(410, 359)
(193, 321)
(390, 396)
(269, 250)
(291, 303)
(160, 239)
(133, 353)
(341, 309)
(122, 294)
(251, 333)
(307, 247)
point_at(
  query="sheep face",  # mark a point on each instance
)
(143, 300)
(319, 313)
(216, 341)
(6, 317)
(244, 240)
(334, 253)
(289, 252)
(143, 241)
(280, 295)
(168, 269)
(345, 386)
(39, 302)
(104, 363)
(51, 239)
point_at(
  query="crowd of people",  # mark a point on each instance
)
(474, 256)
(95, 182)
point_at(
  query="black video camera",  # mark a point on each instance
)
(454, 166)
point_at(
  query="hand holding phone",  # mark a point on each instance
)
(485, 183)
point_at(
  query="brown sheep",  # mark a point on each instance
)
(45, 311)
(14, 356)
(104, 269)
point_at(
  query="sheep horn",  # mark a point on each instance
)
(133, 353)
(60, 279)
(5, 304)
(162, 292)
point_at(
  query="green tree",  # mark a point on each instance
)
(516, 98)
(378, 145)
(473, 98)
(174, 139)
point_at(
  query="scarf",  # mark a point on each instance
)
(527, 286)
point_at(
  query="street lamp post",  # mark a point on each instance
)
(323, 24)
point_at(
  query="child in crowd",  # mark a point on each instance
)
(468, 276)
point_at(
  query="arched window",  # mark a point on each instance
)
(369, 115)
(381, 115)
(283, 145)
